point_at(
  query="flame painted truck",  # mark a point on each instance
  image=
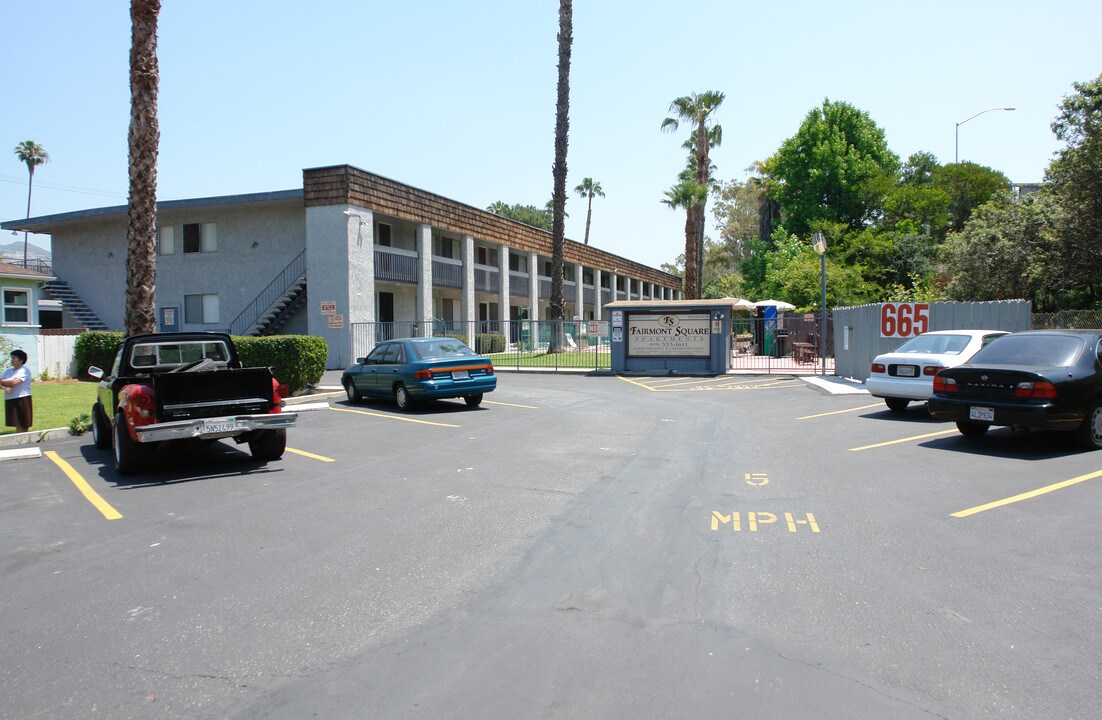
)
(171, 387)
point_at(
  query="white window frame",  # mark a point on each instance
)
(208, 239)
(208, 309)
(16, 306)
(166, 240)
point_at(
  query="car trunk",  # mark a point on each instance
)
(189, 395)
(991, 383)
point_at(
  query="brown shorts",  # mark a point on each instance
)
(19, 412)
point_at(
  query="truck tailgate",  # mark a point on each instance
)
(187, 395)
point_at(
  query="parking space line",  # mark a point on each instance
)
(1027, 495)
(85, 489)
(903, 440)
(839, 412)
(526, 407)
(629, 380)
(312, 456)
(392, 417)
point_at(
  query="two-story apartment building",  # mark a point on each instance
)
(350, 249)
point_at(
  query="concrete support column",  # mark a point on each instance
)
(579, 292)
(469, 312)
(340, 262)
(613, 279)
(503, 292)
(424, 279)
(598, 300)
(533, 286)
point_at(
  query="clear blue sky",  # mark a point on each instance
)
(458, 98)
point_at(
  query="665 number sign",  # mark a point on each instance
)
(904, 320)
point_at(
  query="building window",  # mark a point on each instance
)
(484, 257)
(17, 307)
(166, 241)
(445, 247)
(587, 276)
(518, 263)
(382, 236)
(201, 309)
(200, 237)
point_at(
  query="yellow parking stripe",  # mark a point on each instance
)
(85, 489)
(526, 407)
(1027, 495)
(903, 440)
(392, 417)
(839, 412)
(312, 456)
(636, 383)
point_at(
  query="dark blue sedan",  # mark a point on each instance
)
(413, 369)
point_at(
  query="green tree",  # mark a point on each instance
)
(698, 109)
(1076, 179)
(33, 155)
(688, 196)
(968, 186)
(558, 171)
(144, 140)
(737, 213)
(836, 169)
(527, 214)
(588, 189)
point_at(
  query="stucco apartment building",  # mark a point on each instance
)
(350, 250)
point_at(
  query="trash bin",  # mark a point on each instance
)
(780, 338)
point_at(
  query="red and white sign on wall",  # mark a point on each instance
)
(904, 320)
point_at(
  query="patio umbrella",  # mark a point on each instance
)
(781, 305)
(740, 304)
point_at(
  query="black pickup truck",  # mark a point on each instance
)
(185, 386)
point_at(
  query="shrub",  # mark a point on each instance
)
(80, 425)
(96, 348)
(485, 343)
(296, 360)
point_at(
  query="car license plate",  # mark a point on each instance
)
(217, 426)
(460, 375)
(985, 414)
(906, 370)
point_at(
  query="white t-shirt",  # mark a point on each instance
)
(23, 389)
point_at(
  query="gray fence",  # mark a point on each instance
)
(858, 336)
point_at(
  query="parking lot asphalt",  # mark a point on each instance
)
(576, 547)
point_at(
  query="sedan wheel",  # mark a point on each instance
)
(473, 400)
(402, 398)
(1090, 433)
(897, 404)
(350, 390)
(971, 429)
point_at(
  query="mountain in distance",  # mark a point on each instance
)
(14, 250)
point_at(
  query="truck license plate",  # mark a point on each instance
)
(217, 426)
(906, 370)
(460, 375)
(985, 414)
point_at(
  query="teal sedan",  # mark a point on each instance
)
(414, 369)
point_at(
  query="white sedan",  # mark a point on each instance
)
(907, 373)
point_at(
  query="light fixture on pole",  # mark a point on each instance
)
(820, 244)
(956, 145)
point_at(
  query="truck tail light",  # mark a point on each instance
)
(1040, 389)
(945, 385)
(932, 369)
(878, 367)
(143, 403)
(423, 375)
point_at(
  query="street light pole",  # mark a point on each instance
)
(956, 145)
(820, 246)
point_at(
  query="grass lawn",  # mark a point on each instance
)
(583, 359)
(56, 403)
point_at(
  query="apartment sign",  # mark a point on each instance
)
(669, 335)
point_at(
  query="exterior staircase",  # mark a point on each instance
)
(273, 307)
(74, 304)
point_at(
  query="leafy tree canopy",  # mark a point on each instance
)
(527, 214)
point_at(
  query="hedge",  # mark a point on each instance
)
(297, 361)
(484, 343)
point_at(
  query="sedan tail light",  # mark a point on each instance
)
(423, 375)
(877, 367)
(932, 369)
(1041, 389)
(945, 385)
(490, 369)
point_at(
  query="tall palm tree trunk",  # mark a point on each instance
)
(30, 184)
(588, 216)
(558, 196)
(144, 140)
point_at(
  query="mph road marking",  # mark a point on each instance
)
(756, 519)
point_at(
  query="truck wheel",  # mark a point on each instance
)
(473, 400)
(101, 428)
(268, 445)
(130, 456)
(1090, 432)
(897, 405)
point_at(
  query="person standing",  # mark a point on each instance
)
(16, 381)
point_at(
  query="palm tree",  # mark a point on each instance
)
(688, 195)
(558, 170)
(34, 155)
(697, 109)
(144, 140)
(588, 189)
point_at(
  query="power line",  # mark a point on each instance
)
(63, 188)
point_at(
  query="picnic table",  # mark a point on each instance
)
(803, 352)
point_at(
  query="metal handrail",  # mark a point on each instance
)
(266, 297)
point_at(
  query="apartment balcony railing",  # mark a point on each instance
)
(447, 273)
(395, 264)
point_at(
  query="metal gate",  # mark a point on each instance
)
(785, 344)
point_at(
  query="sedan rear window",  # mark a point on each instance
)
(935, 344)
(441, 349)
(1049, 350)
